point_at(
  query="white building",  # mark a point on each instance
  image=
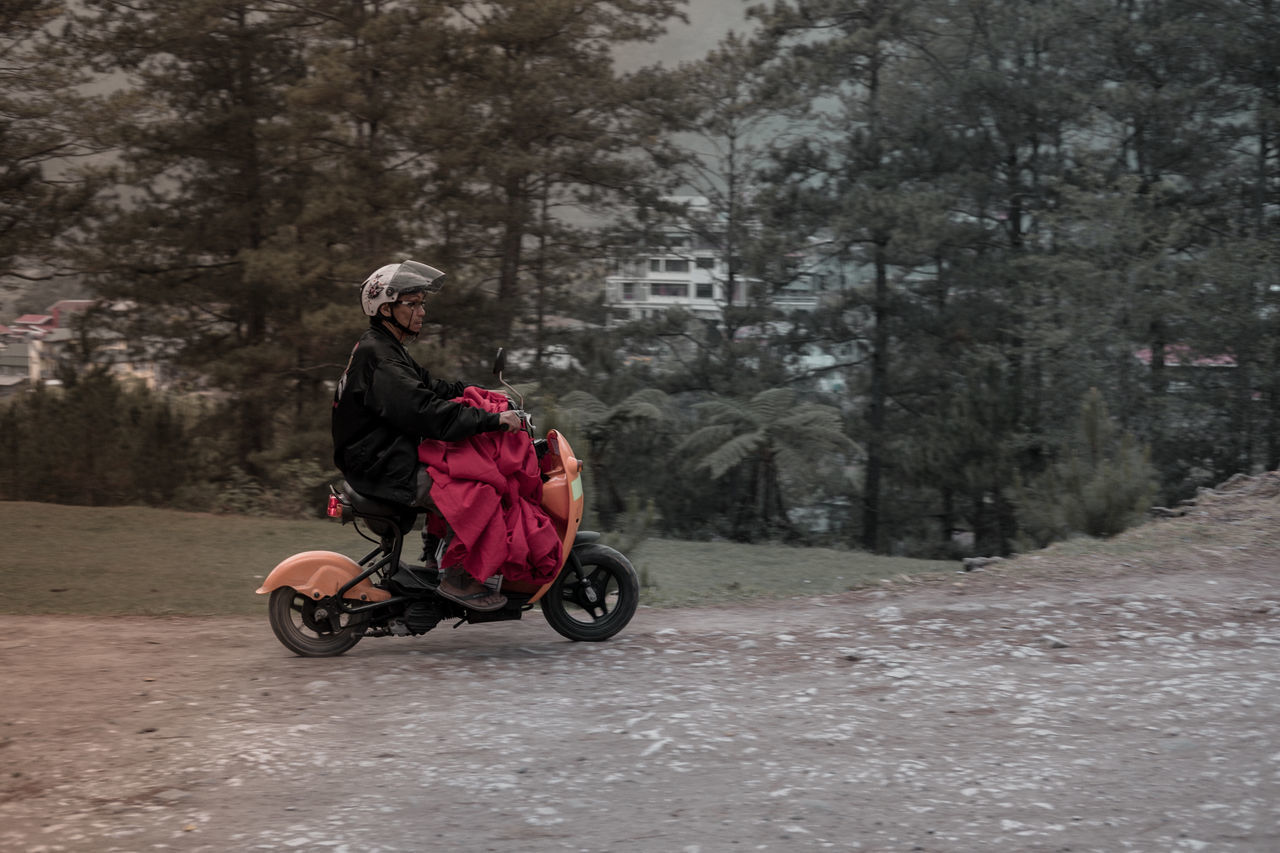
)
(689, 272)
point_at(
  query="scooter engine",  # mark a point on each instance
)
(421, 616)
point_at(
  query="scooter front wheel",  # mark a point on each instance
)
(595, 595)
(306, 627)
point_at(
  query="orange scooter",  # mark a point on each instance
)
(322, 603)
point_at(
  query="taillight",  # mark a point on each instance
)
(334, 510)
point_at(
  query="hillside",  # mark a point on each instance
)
(1237, 522)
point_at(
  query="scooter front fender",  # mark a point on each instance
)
(561, 498)
(320, 574)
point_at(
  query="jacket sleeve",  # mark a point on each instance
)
(398, 394)
(448, 390)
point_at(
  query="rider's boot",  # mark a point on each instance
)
(457, 585)
(430, 544)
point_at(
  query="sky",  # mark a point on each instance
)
(709, 21)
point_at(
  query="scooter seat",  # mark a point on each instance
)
(364, 505)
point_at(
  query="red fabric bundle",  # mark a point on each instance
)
(489, 489)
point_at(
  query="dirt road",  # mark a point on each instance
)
(1128, 711)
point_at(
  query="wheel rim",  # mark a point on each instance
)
(315, 620)
(311, 628)
(590, 595)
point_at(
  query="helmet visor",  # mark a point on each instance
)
(413, 277)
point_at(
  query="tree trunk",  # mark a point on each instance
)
(1273, 410)
(541, 286)
(876, 406)
(948, 515)
(511, 246)
(1241, 416)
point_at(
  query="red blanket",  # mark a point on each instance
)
(489, 489)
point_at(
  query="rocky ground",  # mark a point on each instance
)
(1113, 697)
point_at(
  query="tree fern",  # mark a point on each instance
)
(769, 442)
(732, 453)
(704, 441)
(599, 423)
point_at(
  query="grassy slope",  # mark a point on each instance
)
(682, 573)
(96, 560)
(102, 560)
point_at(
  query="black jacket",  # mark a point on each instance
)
(383, 406)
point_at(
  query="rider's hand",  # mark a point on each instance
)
(510, 421)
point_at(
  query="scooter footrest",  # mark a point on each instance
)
(416, 577)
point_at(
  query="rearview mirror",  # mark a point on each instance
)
(500, 362)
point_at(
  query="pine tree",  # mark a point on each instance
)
(539, 120)
(41, 139)
(731, 114)
(1159, 195)
(1243, 49)
(207, 183)
(857, 179)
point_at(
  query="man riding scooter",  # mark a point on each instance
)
(385, 404)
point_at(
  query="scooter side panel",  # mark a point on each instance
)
(318, 574)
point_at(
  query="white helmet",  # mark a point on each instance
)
(389, 283)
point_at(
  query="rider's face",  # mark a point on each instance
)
(411, 312)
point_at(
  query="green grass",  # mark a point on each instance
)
(683, 573)
(117, 560)
(109, 560)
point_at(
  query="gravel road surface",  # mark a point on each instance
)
(1131, 711)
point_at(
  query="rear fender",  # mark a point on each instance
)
(320, 574)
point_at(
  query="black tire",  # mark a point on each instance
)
(595, 595)
(302, 625)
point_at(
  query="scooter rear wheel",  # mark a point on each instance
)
(304, 626)
(595, 595)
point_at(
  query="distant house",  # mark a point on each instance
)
(143, 362)
(10, 385)
(1187, 371)
(63, 309)
(34, 346)
(56, 316)
(36, 324)
(1181, 355)
(16, 366)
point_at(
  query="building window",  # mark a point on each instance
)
(677, 266)
(705, 290)
(669, 288)
(706, 263)
(655, 265)
(628, 291)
